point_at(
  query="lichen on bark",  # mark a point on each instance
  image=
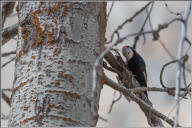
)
(57, 47)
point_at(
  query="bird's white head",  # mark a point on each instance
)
(128, 52)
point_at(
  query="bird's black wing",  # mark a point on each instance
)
(138, 68)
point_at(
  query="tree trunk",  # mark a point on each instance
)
(58, 44)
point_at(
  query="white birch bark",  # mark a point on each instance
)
(57, 47)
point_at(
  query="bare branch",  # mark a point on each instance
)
(154, 32)
(9, 33)
(112, 61)
(162, 70)
(171, 12)
(131, 18)
(114, 100)
(180, 55)
(189, 42)
(7, 89)
(108, 14)
(103, 119)
(150, 24)
(184, 70)
(7, 9)
(137, 37)
(170, 91)
(167, 51)
(8, 53)
(126, 21)
(5, 97)
(126, 91)
(8, 62)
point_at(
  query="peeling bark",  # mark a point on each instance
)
(58, 44)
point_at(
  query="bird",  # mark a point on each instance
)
(136, 64)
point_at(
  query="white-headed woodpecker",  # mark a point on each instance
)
(136, 65)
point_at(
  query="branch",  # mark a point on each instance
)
(8, 53)
(7, 10)
(127, 21)
(108, 14)
(170, 91)
(110, 68)
(166, 50)
(7, 89)
(5, 97)
(171, 12)
(184, 58)
(150, 23)
(114, 101)
(155, 32)
(142, 103)
(161, 73)
(131, 18)
(112, 61)
(180, 55)
(137, 37)
(189, 42)
(9, 33)
(7, 62)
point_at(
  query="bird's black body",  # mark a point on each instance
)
(137, 66)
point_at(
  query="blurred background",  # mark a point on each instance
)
(124, 113)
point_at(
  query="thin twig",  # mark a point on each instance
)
(180, 54)
(184, 71)
(162, 70)
(127, 20)
(8, 53)
(7, 89)
(5, 97)
(167, 51)
(114, 100)
(108, 14)
(170, 91)
(154, 32)
(103, 119)
(171, 12)
(137, 37)
(7, 62)
(189, 42)
(150, 23)
(131, 18)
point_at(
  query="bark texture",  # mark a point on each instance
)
(57, 47)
